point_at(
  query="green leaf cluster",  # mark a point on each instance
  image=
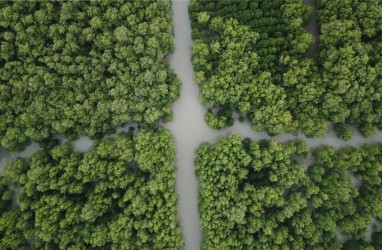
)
(219, 119)
(119, 195)
(268, 195)
(251, 56)
(83, 67)
(350, 59)
(11, 220)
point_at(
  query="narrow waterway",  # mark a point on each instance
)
(187, 127)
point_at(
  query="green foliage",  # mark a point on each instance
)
(349, 41)
(344, 132)
(11, 221)
(357, 244)
(6, 195)
(263, 195)
(251, 55)
(222, 119)
(119, 195)
(377, 240)
(83, 67)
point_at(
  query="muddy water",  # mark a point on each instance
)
(82, 144)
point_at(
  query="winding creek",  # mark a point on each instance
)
(189, 130)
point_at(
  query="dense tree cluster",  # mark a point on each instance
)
(83, 67)
(219, 119)
(11, 225)
(265, 195)
(119, 195)
(351, 62)
(250, 57)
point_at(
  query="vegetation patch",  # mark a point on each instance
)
(264, 195)
(119, 195)
(250, 57)
(83, 67)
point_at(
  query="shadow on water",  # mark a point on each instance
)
(312, 28)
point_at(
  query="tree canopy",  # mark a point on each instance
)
(266, 195)
(350, 62)
(83, 67)
(11, 222)
(250, 57)
(119, 195)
